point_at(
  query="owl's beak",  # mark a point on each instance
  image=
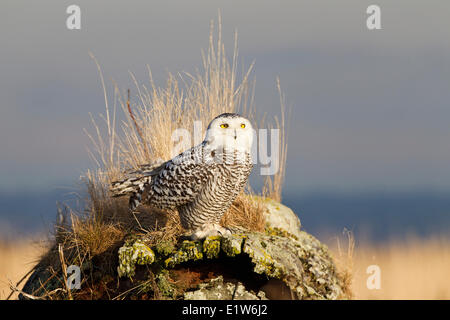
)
(235, 134)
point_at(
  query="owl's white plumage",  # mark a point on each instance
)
(202, 182)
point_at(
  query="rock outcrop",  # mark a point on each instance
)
(283, 262)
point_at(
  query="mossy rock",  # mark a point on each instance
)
(281, 263)
(132, 254)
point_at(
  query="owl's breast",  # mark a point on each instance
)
(218, 194)
(231, 178)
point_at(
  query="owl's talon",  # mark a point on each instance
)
(224, 232)
(208, 231)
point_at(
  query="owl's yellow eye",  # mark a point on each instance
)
(224, 125)
(243, 125)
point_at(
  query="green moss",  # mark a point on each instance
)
(189, 251)
(165, 287)
(232, 245)
(275, 231)
(260, 249)
(264, 264)
(132, 253)
(165, 247)
(211, 247)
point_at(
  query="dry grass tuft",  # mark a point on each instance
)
(93, 236)
(246, 212)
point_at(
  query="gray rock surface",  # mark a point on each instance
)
(217, 289)
(280, 216)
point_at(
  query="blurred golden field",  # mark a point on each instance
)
(410, 269)
(16, 259)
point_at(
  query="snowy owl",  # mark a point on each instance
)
(202, 182)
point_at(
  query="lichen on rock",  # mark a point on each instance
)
(189, 251)
(164, 248)
(165, 287)
(211, 247)
(302, 263)
(257, 246)
(232, 245)
(132, 253)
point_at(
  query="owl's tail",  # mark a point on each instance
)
(132, 187)
(136, 184)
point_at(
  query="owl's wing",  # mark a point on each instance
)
(146, 169)
(169, 184)
(181, 179)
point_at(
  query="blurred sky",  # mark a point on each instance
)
(370, 109)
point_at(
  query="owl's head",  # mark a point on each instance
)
(230, 130)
